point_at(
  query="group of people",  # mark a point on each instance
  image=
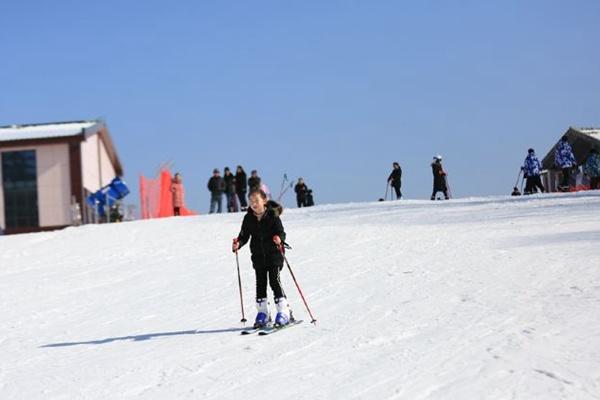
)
(236, 186)
(564, 159)
(440, 179)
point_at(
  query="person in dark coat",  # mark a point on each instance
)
(254, 181)
(263, 225)
(301, 190)
(395, 179)
(229, 178)
(241, 187)
(216, 186)
(439, 178)
(310, 200)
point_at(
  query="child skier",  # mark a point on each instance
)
(262, 223)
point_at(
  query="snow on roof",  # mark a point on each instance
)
(594, 132)
(43, 131)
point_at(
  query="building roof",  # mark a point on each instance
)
(19, 135)
(44, 131)
(581, 141)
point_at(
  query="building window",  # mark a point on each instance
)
(19, 180)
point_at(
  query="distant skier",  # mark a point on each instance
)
(395, 179)
(565, 160)
(531, 170)
(592, 169)
(216, 186)
(439, 178)
(263, 225)
(300, 190)
(178, 193)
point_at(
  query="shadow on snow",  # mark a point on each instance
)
(145, 336)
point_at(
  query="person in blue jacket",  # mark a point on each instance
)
(592, 169)
(532, 169)
(565, 160)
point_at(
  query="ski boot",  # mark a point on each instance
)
(263, 317)
(283, 316)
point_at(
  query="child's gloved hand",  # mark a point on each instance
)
(235, 245)
(277, 240)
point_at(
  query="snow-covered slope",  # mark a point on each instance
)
(492, 298)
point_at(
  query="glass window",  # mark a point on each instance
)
(19, 180)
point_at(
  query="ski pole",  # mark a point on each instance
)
(387, 186)
(314, 321)
(237, 261)
(518, 176)
(448, 186)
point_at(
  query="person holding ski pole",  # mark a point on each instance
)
(263, 227)
(395, 179)
(531, 170)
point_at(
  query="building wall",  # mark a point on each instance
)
(54, 185)
(97, 168)
(53, 181)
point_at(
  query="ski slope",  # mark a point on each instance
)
(484, 298)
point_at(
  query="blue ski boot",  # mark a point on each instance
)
(263, 318)
(283, 312)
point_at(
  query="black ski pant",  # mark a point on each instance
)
(242, 197)
(300, 201)
(398, 192)
(595, 182)
(269, 275)
(534, 182)
(566, 174)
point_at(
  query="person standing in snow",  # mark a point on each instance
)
(178, 193)
(216, 186)
(301, 190)
(240, 187)
(565, 160)
(531, 170)
(263, 225)
(254, 181)
(395, 179)
(592, 169)
(229, 179)
(439, 178)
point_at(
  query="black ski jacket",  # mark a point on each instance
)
(396, 177)
(240, 182)
(216, 185)
(300, 190)
(254, 183)
(265, 253)
(439, 176)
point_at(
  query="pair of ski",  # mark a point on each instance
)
(269, 329)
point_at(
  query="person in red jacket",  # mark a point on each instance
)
(178, 193)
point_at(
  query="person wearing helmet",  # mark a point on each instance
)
(439, 178)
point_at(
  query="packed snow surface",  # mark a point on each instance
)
(484, 298)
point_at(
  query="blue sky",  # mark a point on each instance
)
(333, 91)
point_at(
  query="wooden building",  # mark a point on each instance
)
(47, 171)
